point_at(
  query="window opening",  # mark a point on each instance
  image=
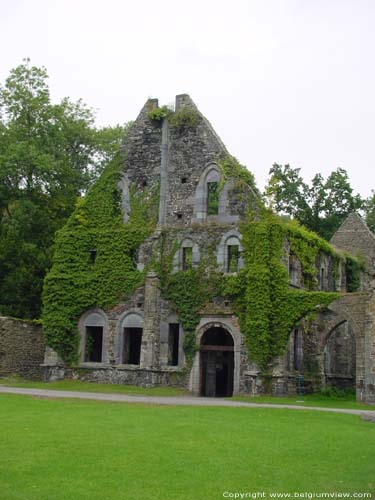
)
(92, 253)
(322, 276)
(132, 346)
(94, 344)
(297, 341)
(187, 258)
(233, 258)
(173, 343)
(212, 198)
(134, 256)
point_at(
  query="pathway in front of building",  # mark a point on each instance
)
(170, 401)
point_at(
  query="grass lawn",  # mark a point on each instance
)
(65, 449)
(348, 401)
(76, 385)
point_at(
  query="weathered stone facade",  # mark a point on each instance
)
(140, 340)
(21, 348)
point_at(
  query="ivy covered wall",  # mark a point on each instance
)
(93, 264)
(95, 257)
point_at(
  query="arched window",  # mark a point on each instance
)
(232, 255)
(186, 257)
(229, 254)
(210, 201)
(212, 192)
(93, 331)
(131, 330)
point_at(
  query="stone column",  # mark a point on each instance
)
(151, 329)
(163, 174)
(370, 354)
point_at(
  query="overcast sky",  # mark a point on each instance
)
(286, 81)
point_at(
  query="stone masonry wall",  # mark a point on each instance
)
(21, 348)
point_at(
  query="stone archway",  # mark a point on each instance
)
(216, 353)
(339, 357)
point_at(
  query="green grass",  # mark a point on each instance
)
(77, 385)
(65, 449)
(347, 401)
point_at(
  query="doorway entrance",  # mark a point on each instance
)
(217, 363)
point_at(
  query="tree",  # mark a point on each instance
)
(369, 209)
(49, 155)
(321, 207)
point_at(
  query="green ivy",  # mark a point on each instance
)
(308, 247)
(231, 168)
(158, 114)
(353, 273)
(185, 117)
(76, 283)
(267, 308)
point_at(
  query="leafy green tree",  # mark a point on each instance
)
(369, 209)
(49, 155)
(321, 206)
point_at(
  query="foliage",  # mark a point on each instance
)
(230, 167)
(158, 114)
(268, 309)
(353, 273)
(188, 291)
(369, 209)
(49, 155)
(185, 117)
(321, 206)
(76, 284)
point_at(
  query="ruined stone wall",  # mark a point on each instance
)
(355, 237)
(141, 150)
(21, 348)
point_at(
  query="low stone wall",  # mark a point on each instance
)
(21, 348)
(118, 375)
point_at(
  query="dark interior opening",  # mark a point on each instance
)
(94, 343)
(298, 349)
(173, 343)
(132, 346)
(183, 180)
(217, 336)
(93, 253)
(134, 256)
(212, 198)
(217, 363)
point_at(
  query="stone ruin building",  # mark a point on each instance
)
(140, 340)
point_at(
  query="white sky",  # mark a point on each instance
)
(286, 81)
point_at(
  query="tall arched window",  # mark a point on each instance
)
(131, 330)
(187, 256)
(229, 254)
(93, 337)
(210, 201)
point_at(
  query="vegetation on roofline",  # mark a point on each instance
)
(185, 117)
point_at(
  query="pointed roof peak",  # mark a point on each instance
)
(354, 223)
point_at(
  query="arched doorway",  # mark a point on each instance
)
(340, 357)
(217, 363)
